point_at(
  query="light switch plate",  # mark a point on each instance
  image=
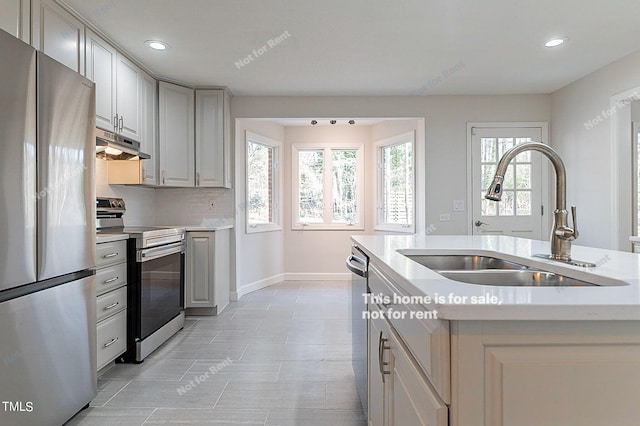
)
(458, 205)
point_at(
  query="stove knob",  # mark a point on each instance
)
(121, 204)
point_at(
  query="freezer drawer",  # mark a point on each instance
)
(48, 354)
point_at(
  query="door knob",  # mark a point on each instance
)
(479, 223)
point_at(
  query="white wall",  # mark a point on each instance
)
(440, 121)
(259, 257)
(140, 201)
(445, 132)
(581, 131)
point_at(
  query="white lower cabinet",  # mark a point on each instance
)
(111, 301)
(208, 272)
(499, 372)
(399, 392)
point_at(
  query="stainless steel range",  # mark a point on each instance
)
(155, 277)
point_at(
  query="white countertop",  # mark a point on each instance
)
(605, 302)
(206, 228)
(107, 238)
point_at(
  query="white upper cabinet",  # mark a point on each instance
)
(149, 133)
(128, 82)
(15, 18)
(118, 88)
(212, 147)
(58, 34)
(176, 135)
(101, 69)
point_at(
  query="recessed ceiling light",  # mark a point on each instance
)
(157, 45)
(554, 42)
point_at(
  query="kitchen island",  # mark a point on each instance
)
(445, 352)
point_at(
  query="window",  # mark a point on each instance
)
(517, 187)
(327, 187)
(396, 184)
(263, 184)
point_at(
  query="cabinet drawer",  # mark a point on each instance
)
(110, 278)
(111, 253)
(427, 339)
(111, 338)
(111, 303)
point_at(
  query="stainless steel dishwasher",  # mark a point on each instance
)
(358, 264)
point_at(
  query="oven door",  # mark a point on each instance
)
(160, 286)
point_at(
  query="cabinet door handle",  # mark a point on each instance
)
(163, 176)
(110, 280)
(115, 339)
(115, 123)
(381, 349)
(110, 255)
(197, 179)
(111, 306)
(121, 125)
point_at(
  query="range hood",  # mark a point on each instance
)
(110, 146)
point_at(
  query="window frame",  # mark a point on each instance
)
(381, 225)
(359, 224)
(276, 184)
(635, 186)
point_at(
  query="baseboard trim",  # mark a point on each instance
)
(320, 276)
(289, 276)
(257, 285)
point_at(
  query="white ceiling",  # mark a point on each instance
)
(372, 47)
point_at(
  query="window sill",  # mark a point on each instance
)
(327, 227)
(396, 228)
(256, 229)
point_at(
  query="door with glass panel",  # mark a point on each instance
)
(520, 212)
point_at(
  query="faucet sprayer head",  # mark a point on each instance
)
(494, 193)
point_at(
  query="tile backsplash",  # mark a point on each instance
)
(168, 206)
(190, 206)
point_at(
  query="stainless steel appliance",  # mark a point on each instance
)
(358, 264)
(155, 277)
(47, 244)
(113, 146)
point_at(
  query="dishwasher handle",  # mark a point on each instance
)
(357, 266)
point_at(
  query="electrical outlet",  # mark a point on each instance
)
(458, 205)
(211, 204)
(445, 217)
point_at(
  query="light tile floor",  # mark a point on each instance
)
(288, 362)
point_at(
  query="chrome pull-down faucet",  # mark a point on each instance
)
(561, 233)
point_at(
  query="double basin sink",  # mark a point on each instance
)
(487, 270)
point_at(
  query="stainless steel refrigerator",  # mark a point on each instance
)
(47, 238)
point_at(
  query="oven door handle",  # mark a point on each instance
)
(156, 252)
